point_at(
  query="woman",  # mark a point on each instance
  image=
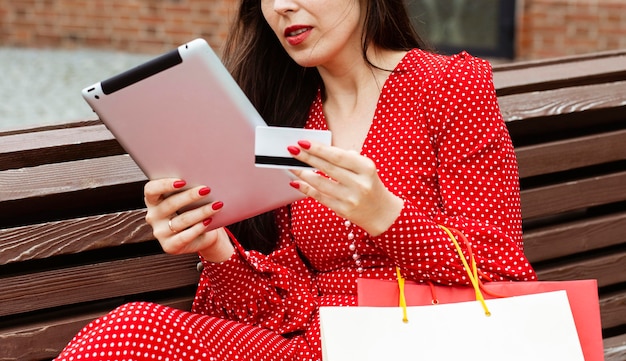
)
(418, 141)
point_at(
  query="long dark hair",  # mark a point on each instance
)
(282, 91)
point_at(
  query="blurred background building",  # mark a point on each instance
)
(51, 47)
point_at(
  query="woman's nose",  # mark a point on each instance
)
(285, 6)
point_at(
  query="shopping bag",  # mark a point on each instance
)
(582, 296)
(537, 327)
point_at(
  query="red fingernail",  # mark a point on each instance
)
(207, 221)
(305, 144)
(217, 205)
(295, 184)
(179, 184)
(293, 150)
(204, 191)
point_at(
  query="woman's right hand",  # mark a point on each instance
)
(185, 232)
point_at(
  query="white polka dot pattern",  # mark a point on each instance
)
(440, 143)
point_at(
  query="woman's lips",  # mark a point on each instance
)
(297, 34)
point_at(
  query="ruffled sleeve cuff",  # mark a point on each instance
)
(258, 289)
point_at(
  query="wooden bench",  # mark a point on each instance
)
(74, 243)
(567, 118)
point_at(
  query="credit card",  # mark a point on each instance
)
(270, 145)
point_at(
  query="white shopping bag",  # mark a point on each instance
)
(538, 327)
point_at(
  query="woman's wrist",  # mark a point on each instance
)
(385, 216)
(221, 251)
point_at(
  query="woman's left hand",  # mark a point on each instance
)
(352, 189)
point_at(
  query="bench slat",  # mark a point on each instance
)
(520, 107)
(613, 310)
(607, 269)
(56, 145)
(73, 236)
(583, 193)
(35, 291)
(572, 153)
(53, 138)
(530, 64)
(559, 74)
(571, 238)
(66, 177)
(615, 348)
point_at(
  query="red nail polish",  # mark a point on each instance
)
(293, 150)
(207, 221)
(305, 144)
(295, 184)
(217, 205)
(204, 191)
(179, 184)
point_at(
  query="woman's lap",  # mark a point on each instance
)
(147, 331)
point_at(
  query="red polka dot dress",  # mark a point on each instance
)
(439, 143)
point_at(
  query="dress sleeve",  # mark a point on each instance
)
(272, 291)
(478, 185)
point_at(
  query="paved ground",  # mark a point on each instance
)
(42, 87)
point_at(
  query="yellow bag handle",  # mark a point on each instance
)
(472, 273)
(405, 317)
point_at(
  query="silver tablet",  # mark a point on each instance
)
(182, 115)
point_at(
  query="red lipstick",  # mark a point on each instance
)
(296, 34)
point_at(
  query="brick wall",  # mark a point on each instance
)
(549, 28)
(143, 26)
(546, 28)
